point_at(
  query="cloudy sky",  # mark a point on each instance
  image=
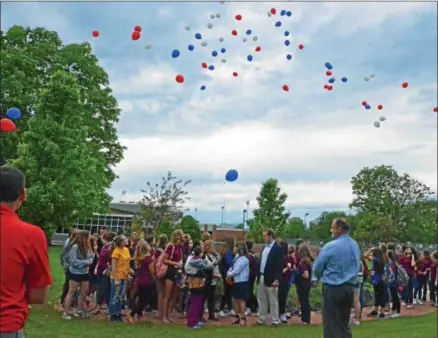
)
(311, 139)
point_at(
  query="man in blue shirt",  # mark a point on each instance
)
(337, 266)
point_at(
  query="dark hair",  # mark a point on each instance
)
(270, 232)
(107, 236)
(149, 239)
(285, 247)
(392, 256)
(342, 224)
(118, 240)
(391, 246)
(162, 241)
(249, 245)
(380, 266)
(426, 253)
(197, 251)
(229, 245)
(242, 250)
(12, 183)
(196, 243)
(298, 242)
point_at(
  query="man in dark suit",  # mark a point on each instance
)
(271, 269)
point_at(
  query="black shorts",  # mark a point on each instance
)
(79, 278)
(240, 291)
(171, 273)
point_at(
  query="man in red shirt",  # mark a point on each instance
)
(24, 268)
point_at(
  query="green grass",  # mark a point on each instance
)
(45, 322)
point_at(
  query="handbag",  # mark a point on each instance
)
(160, 267)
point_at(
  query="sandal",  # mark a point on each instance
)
(242, 321)
(237, 321)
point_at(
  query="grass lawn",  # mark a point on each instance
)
(46, 323)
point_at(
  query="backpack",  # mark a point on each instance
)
(160, 267)
(402, 276)
(388, 275)
(254, 267)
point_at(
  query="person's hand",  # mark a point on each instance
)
(117, 282)
(178, 265)
(275, 283)
(131, 272)
(95, 271)
(289, 266)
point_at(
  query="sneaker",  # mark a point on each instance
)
(403, 303)
(196, 327)
(276, 323)
(354, 322)
(65, 316)
(415, 302)
(200, 323)
(283, 318)
(420, 302)
(248, 312)
(231, 313)
(409, 306)
(222, 314)
(395, 315)
(259, 322)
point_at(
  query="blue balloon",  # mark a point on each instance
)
(367, 106)
(198, 36)
(231, 175)
(191, 47)
(13, 113)
(328, 65)
(248, 32)
(214, 53)
(175, 53)
(203, 87)
(283, 12)
(223, 50)
(344, 79)
(249, 58)
(211, 67)
(286, 42)
(278, 24)
(289, 57)
(331, 80)
(289, 13)
(286, 33)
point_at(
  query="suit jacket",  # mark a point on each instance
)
(274, 264)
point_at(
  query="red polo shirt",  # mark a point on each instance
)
(24, 265)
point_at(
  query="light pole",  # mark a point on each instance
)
(196, 210)
(305, 215)
(222, 217)
(243, 222)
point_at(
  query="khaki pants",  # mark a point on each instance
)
(268, 302)
(18, 334)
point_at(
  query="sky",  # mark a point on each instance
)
(312, 140)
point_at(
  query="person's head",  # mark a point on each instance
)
(249, 245)
(150, 239)
(102, 230)
(435, 256)
(142, 250)
(120, 241)
(197, 252)
(304, 253)
(384, 248)
(134, 242)
(392, 256)
(189, 245)
(176, 237)
(285, 247)
(339, 227)
(12, 187)
(209, 247)
(186, 238)
(241, 249)
(407, 252)
(426, 254)
(392, 247)
(162, 241)
(206, 236)
(298, 242)
(229, 245)
(73, 233)
(198, 244)
(106, 238)
(268, 236)
(81, 239)
(291, 250)
(93, 243)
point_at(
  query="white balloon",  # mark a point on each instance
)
(204, 43)
(244, 39)
(212, 16)
(148, 46)
(269, 14)
(382, 118)
(377, 124)
(221, 39)
(372, 76)
(210, 25)
(366, 78)
(218, 15)
(187, 28)
(255, 38)
(223, 61)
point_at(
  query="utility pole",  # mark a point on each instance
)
(222, 218)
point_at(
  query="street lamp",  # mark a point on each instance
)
(222, 219)
(196, 210)
(305, 215)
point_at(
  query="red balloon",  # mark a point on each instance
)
(405, 85)
(7, 125)
(328, 73)
(95, 34)
(135, 35)
(238, 17)
(330, 87)
(204, 65)
(235, 74)
(380, 107)
(300, 46)
(137, 29)
(234, 32)
(286, 88)
(179, 78)
(435, 110)
(258, 49)
(273, 11)
(364, 103)
(325, 86)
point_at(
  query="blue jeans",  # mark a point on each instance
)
(408, 292)
(118, 294)
(102, 291)
(417, 289)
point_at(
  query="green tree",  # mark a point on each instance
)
(295, 228)
(29, 59)
(319, 228)
(165, 201)
(165, 228)
(270, 212)
(189, 225)
(65, 174)
(372, 228)
(382, 191)
(421, 222)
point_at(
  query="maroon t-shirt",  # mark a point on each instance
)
(287, 274)
(424, 264)
(144, 277)
(104, 259)
(433, 266)
(303, 267)
(406, 263)
(175, 253)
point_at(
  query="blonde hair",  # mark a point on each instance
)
(176, 236)
(142, 250)
(208, 245)
(304, 253)
(206, 236)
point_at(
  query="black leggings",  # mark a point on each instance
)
(65, 287)
(303, 289)
(395, 299)
(209, 294)
(144, 294)
(283, 292)
(226, 297)
(379, 295)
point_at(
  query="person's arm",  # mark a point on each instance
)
(320, 263)
(75, 262)
(38, 277)
(168, 256)
(238, 267)
(367, 255)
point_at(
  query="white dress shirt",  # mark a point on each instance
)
(265, 255)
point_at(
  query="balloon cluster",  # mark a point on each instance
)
(331, 79)
(7, 124)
